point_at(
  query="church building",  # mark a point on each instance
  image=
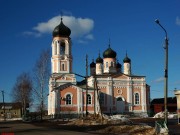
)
(110, 88)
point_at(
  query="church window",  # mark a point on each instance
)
(106, 64)
(111, 64)
(62, 48)
(63, 67)
(68, 99)
(89, 100)
(120, 99)
(136, 98)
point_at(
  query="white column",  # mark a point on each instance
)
(68, 67)
(53, 102)
(66, 47)
(52, 45)
(52, 65)
(143, 98)
(58, 101)
(78, 100)
(109, 92)
(58, 66)
(58, 48)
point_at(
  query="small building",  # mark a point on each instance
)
(157, 105)
(177, 94)
(12, 110)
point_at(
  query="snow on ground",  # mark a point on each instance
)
(161, 115)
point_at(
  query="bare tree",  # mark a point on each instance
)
(22, 90)
(41, 73)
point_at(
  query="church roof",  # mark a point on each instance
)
(61, 30)
(92, 64)
(16, 105)
(99, 59)
(109, 53)
(170, 100)
(127, 59)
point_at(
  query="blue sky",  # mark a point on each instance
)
(26, 29)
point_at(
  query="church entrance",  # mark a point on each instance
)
(120, 104)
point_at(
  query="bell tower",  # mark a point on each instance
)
(61, 61)
(127, 65)
(61, 66)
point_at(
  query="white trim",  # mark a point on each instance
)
(58, 48)
(91, 99)
(68, 93)
(135, 98)
(143, 91)
(120, 97)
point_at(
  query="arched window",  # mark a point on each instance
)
(106, 64)
(120, 99)
(63, 68)
(111, 64)
(68, 99)
(136, 98)
(89, 100)
(62, 48)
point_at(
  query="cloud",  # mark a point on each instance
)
(178, 20)
(29, 33)
(82, 41)
(158, 80)
(80, 27)
(90, 37)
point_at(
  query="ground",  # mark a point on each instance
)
(139, 126)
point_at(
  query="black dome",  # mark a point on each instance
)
(92, 65)
(99, 59)
(61, 30)
(109, 53)
(118, 65)
(126, 59)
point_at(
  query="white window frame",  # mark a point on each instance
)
(71, 96)
(89, 99)
(107, 65)
(136, 101)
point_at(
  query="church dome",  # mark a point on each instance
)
(61, 30)
(118, 65)
(92, 65)
(99, 59)
(109, 53)
(126, 59)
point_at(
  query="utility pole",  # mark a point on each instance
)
(94, 95)
(165, 73)
(3, 105)
(86, 84)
